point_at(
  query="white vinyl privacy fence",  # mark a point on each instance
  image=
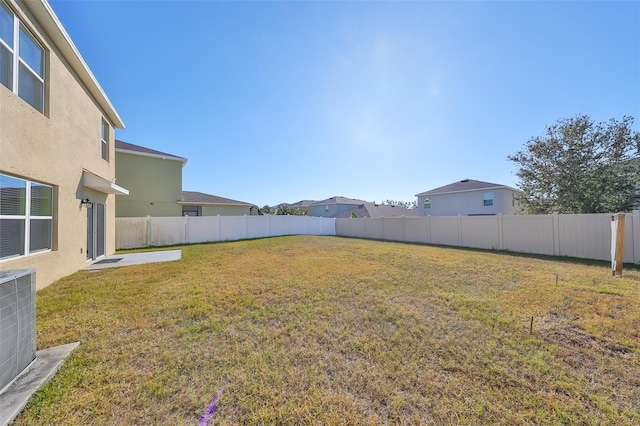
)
(586, 236)
(162, 231)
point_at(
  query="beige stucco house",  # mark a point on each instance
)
(57, 190)
(154, 181)
(469, 197)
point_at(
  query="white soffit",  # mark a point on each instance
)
(52, 26)
(89, 180)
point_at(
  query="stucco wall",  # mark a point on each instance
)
(468, 203)
(154, 184)
(54, 148)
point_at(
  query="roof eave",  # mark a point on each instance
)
(465, 190)
(45, 15)
(148, 154)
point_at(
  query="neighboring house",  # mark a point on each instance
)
(468, 198)
(377, 210)
(301, 206)
(57, 125)
(200, 204)
(333, 206)
(154, 180)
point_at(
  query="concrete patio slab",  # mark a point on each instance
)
(15, 398)
(118, 260)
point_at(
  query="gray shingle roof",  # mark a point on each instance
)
(377, 210)
(463, 185)
(193, 197)
(301, 203)
(338, 200)
(126, 146)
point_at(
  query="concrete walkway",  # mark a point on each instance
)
(118, 260)
(15, 398)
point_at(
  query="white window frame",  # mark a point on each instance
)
(27, 217)
(190, 209)
(487, 199)
(104, 139)
(19, 27)
(426, 203)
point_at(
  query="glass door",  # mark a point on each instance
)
(90, 238)
(99, 229)
(95, 231)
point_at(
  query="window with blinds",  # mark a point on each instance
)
(191, 210)
(26, 217)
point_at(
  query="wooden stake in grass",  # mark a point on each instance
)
(556, 279)
(531, 326)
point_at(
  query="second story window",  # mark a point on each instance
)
(21, 59)
(104, 140)
(487, 199)
(427, 203)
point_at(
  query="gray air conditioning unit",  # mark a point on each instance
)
(17, 323)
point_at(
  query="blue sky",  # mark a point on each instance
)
(281, 101)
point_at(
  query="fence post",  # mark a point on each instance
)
(404, 229)
(187, 239)
(460, 230)
(500, 232)
(429, 229)
(149, 231)
(384, 234)
(635, 240)
(556, 234)
(219, 229)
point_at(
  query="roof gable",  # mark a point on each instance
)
(464, 185)
(301, 203)
(338, 200)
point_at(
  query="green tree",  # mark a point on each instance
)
(579, 166)
(283, 210)
(265, 210)
(404, 204)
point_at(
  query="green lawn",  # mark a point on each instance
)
(327, 330)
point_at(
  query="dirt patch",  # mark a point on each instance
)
(560, 330)
(605, 367)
